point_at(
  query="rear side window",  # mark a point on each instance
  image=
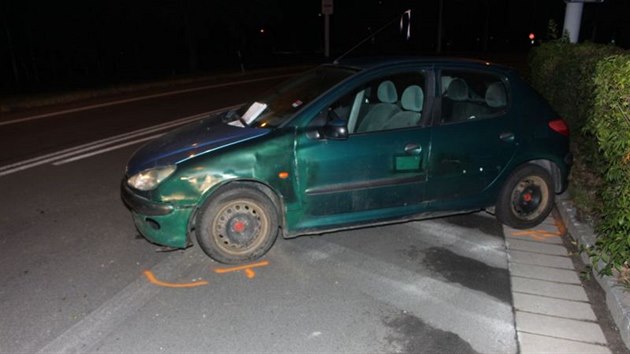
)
(468, 95)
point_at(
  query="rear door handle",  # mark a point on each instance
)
(507, 136)
(413, 149)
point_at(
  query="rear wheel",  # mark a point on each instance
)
(527, 197)
(237, 226)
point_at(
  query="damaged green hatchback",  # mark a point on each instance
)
(348, 145)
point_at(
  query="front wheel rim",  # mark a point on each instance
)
(529, 198)
(240, 227)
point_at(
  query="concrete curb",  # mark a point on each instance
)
(617, 299)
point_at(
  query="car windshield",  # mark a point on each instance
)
(280, 104)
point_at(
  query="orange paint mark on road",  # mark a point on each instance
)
(246, 268)
(538, 235)
(541, 235)
(536, 232)
(562, 229)
(153, 280)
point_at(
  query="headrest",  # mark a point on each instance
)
(412, 98)
(495, 95)
(446, 80)
(387, 92)
(457, 90)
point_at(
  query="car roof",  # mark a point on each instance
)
(383, 62)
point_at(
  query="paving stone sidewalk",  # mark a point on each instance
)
(552, 310)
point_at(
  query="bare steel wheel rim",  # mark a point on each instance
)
(240, 227)
(529, 198)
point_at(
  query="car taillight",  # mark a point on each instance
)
(559, 126)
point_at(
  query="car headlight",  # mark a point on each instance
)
(150, 178)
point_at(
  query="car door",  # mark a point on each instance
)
(473, 138)
(379, 169)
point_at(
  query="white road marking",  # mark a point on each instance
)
(113, 103)
(115, 147)
(445, 305)
(103, 142)
(94, 327)
(89, 149)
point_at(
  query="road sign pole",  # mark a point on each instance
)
(327, 36)
(440, 25)
(327, 10)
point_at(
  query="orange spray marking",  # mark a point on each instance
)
(249, 273)
(153, 280)
(246, 268)
(541, 235)
(538, 235)
(562, 229)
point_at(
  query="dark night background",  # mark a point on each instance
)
(50, 45)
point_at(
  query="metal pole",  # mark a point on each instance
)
(439, 34)
(573, 19)
(327, 36)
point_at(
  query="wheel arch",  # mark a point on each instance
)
(533, 179)
(559, 184)
(258, 185)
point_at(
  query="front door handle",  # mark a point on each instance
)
(413, 149)
(507, 137)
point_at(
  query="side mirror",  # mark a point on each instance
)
(335, 129)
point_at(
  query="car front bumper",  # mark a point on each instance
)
(160, 223)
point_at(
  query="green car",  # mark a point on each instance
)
(352, 144)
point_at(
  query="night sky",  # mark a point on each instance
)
(76, 43)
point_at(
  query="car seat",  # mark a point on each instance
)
(495, 95)
(412, 101)
(457, 105)
(378, 115)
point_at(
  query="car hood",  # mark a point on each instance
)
(188, 141)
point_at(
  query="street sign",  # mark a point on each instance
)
(327, 7)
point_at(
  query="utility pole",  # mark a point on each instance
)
(573, 17)
(439, 31)
(14, 65)
(327, 10)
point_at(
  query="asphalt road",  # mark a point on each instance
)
(76, 278)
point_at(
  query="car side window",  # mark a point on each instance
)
(468, 95)
(390, 102)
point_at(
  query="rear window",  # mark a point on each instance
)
(469, 95)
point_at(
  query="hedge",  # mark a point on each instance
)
(610, 122)
(589, 85)
(563, 73)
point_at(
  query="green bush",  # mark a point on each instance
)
(564, 74)
(588, 85)
(610, 123)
